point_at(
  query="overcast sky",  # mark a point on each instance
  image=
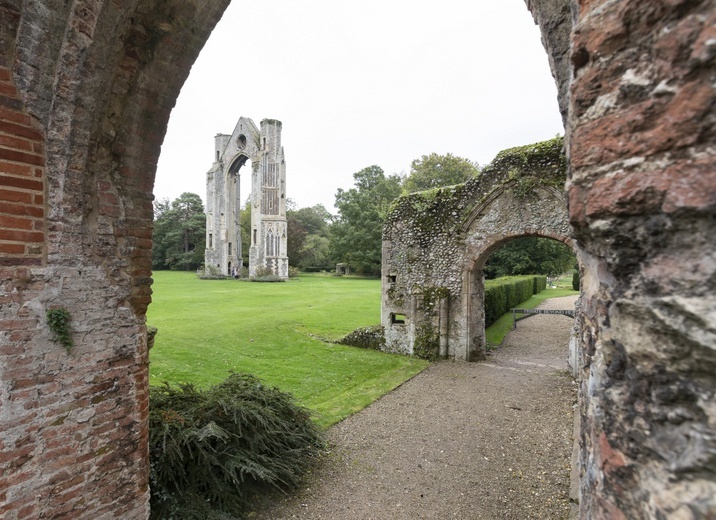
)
(358, 83)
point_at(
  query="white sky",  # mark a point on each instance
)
(358, 83)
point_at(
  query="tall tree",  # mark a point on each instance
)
(356, 233)
(315, 219)
(316, 253)
(179, 233)
(296, 239)
(530, 255)
(435, 171)
(303, 225)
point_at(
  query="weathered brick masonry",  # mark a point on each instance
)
(86, 88)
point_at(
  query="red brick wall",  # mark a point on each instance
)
(22, 182)
(84, 102)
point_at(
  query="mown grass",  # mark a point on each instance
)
(281, 333)
(208, 328)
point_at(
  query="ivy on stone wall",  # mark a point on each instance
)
(427, 342)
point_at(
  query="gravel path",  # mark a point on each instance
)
(489, 440)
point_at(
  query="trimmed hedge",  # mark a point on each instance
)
(507, 292)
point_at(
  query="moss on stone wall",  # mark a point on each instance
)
(443, 210)
(432, 296)
(427, 342)
(542, 163)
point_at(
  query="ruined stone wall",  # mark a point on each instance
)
(86, 88)
(84, 102)
(223, 195)
(642, 203)
(269, 230)
(435, 244)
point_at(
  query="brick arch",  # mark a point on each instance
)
(94, 82)
(84, 102)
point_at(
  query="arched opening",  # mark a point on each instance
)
(223, 210)
(474, 279)
(92, 85)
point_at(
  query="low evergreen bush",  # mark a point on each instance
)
(575, 280)
(211, 451)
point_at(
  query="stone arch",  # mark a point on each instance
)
(544, 214)
(499, 205)
(237, 163)
(89, 86)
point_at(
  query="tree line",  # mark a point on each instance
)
(317, 239)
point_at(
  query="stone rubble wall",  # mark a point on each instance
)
(86, 88)
(642, 205)
(435, 244)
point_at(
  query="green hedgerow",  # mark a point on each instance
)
(212, 450)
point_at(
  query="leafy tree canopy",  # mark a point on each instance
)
(434, 171)
(179, 233)
(296, 239)
(314, 219)
(305, 226)
(356, 233)
(530, 255)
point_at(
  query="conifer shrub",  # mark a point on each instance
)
(575, 280)
(212, 450)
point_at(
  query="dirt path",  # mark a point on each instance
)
(487, 440)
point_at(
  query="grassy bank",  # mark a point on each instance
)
(277, 332)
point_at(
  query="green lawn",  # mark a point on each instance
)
(274, 330)
(208, 328)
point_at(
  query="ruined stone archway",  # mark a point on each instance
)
(267, 245)
(533, 219)
(86, 88)
(435, 244)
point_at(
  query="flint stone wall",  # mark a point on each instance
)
(86, 89)
(435, 245)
